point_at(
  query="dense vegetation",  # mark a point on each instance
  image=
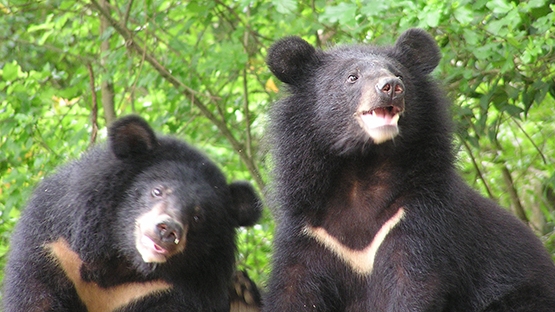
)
(195, 69)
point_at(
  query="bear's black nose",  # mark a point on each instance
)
(169, 231)
(390, 88)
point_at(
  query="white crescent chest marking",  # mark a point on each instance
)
(361, 261)
(96, 298)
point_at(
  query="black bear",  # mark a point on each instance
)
(373, 215)
(144, 223)
(244, 295)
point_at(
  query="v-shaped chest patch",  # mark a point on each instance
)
(96, 298)
(360, 261)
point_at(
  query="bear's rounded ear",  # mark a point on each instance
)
(247, 204)
(131, 136)
(417, 50)
(291, 58)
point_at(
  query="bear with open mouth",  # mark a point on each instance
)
(373, 215)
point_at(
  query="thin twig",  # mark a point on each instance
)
(94, 109)
(477, 168)
(509, 183)
(246, 114)
(531, 141)
(127, 12)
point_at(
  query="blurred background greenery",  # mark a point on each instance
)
(195, 69)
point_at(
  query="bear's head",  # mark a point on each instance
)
(351, 96)
(178, 208)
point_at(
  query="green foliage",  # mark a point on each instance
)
(196, 70)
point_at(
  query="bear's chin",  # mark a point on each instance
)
(382, 134)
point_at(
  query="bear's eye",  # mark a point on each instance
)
(400, 77)
(352, 78)
(157, 192)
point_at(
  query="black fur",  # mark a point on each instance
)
(93, 204)
(453, 250)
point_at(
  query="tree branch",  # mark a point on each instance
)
(476, 168)
(510, 185)
(106, 85)
(531, 140)
(517, 205)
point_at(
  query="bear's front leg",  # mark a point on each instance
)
(302, 281)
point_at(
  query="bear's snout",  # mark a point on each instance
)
(380, 107)
(390, 88)
(159, 235)
(169, 231)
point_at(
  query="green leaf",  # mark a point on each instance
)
(506, 24)
(499, 6)
(46, 24)
(513, 110)
(285, 6)
(432, 18)
(471, 37)
(484, 52)
(373, 7)
(464, 15)
(342, 13)
(11, 71)
(536, 3)
(512, 92)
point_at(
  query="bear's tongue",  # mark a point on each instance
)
(379, 117)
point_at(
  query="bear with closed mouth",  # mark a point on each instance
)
(372, 214)
(142, 223)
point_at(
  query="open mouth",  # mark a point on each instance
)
(155, 250)
(381, 116)
(151, 252)
(380, 123)
(149, 243)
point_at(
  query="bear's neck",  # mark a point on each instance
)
(361, 195)
(363, 190)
